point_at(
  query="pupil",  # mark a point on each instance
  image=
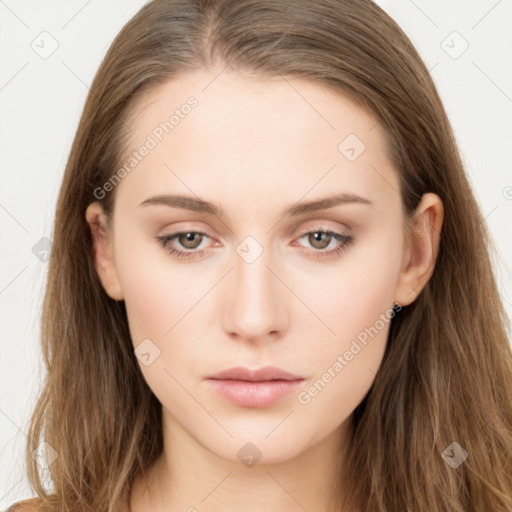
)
(317, 236)
(188, 238)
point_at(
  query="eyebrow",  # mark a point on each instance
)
(199, 205)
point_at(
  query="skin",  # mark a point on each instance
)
(255, 147)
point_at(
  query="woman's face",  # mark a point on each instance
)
(261, 287)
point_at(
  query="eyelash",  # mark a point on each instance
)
(345, 240)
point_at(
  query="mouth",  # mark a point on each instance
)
(263, 374)
(254, 388)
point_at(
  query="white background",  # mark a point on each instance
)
(41, 101)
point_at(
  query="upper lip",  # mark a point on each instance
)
(261, 374)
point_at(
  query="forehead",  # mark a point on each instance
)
(245, 136)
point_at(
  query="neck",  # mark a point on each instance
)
(190, 477)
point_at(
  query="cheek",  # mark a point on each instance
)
(358, 308)
(161, 300)
(157, 292)
(363, 288)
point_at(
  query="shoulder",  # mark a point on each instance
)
(30, 505)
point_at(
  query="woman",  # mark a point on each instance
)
(270, 284)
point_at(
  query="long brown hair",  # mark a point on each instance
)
(447, 371)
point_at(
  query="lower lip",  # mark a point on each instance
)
(254, 394)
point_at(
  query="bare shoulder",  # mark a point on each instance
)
(30, 505)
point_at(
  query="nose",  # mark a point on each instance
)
(255, 308)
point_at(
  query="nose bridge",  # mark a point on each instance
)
(255, 307)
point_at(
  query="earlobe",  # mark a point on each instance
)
(103, 251)
(421, 249)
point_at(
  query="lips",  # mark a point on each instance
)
(254, 388)
(266, 373)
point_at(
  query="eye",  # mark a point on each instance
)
(191, 241)
(187, 239)
(320, 239)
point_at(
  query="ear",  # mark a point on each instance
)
(103, 250)
(420, 250)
